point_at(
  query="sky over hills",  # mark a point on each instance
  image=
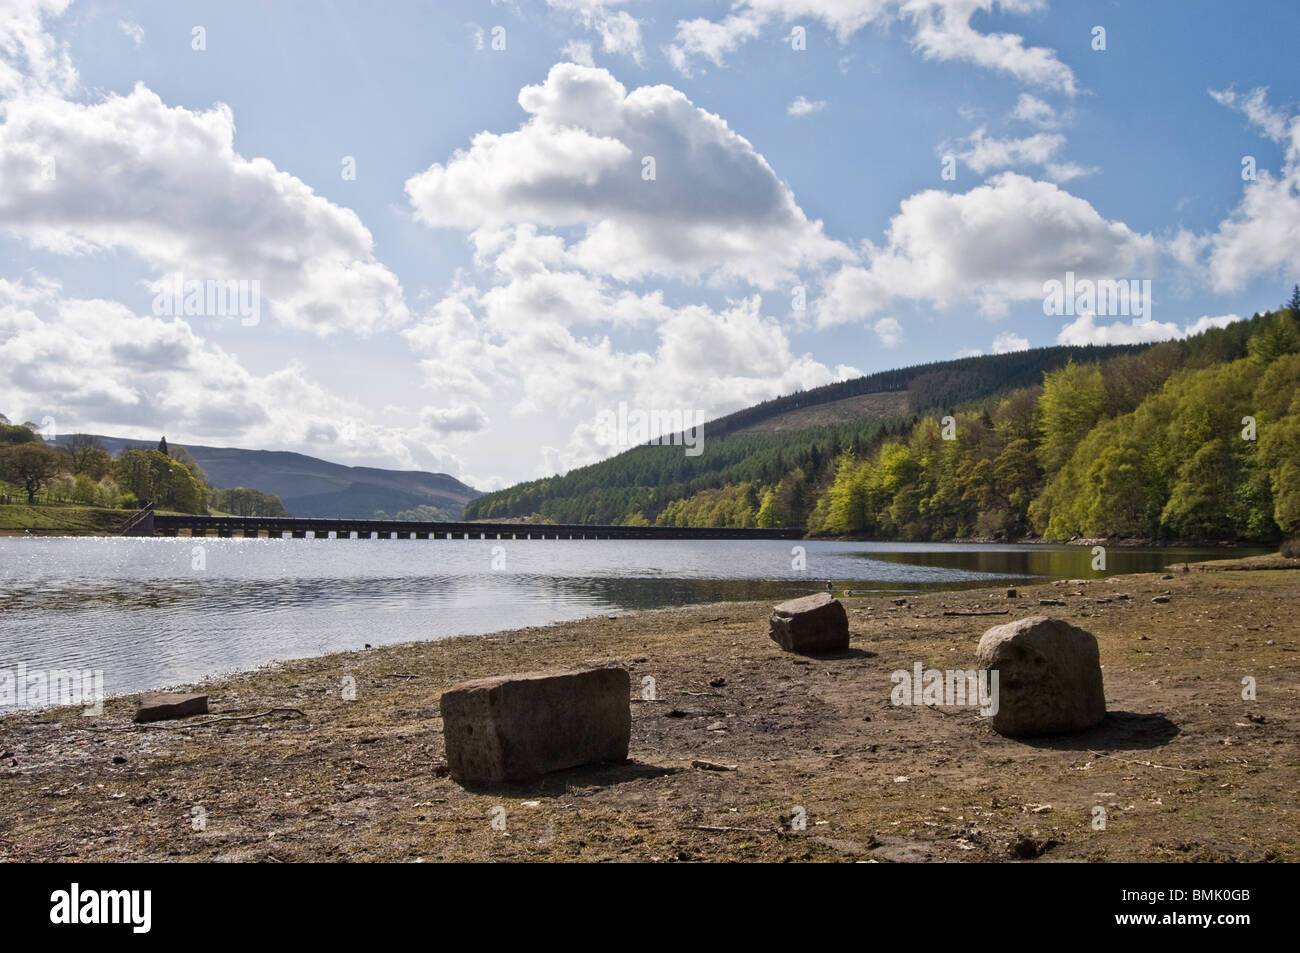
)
(476, 226)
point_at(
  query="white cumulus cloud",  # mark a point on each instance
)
(619, 31)
(132, 31)
(167, 184)
(1031, 109)
(96, 366)
(1084, 330)
(985, 152)
(941, 30)
(1261, 237)
(1009, 341)
(658, 185)
(998, 242)
(802, 106)
(31, 60)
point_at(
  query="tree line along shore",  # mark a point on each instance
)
(1195, 439)
(75, 485)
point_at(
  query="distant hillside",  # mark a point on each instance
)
(311, 487)
(810, 458)
(801, 434)
(878, 406)
(921, 387)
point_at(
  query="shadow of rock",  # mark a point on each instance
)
(831, 656)
(558, 783)
(1119, 730)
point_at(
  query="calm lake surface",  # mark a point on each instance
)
(154, 612)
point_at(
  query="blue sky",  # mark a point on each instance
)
(501, 270)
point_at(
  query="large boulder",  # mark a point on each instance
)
(811, 625)
(1049, 676)
(516, 727)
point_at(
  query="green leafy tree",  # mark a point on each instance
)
(845, 510)
(186, 459)
(244, 501)
(1277, 338)
(17, 433)
(1199, 505)
(87, 456)
(1278, 397)
(150, 475)
(32, 465)
(771, 512)
(1073, 400)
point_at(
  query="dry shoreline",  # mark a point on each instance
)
(1183, 767)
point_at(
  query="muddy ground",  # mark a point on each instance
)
(1184, 768)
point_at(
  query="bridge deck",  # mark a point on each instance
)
(304, 527)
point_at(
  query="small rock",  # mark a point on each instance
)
(1012, 594)
(1027, 848)
(1050, 602)
(159, 706)
(712, 765)
(718, 682)
(118, 759)
(1160, 600)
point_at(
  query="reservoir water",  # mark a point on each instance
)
(154, 612)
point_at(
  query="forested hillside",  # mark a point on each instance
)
(742, 460)
(1196, 439)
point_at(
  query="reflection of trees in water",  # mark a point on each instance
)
(661, 593)
(1074, 562)
(665, 593)
(118, 595)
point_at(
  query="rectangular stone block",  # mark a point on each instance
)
(160, 706)
(517, 727)
(812, 625)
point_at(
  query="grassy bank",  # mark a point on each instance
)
(19, 519)
(1183, 767)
